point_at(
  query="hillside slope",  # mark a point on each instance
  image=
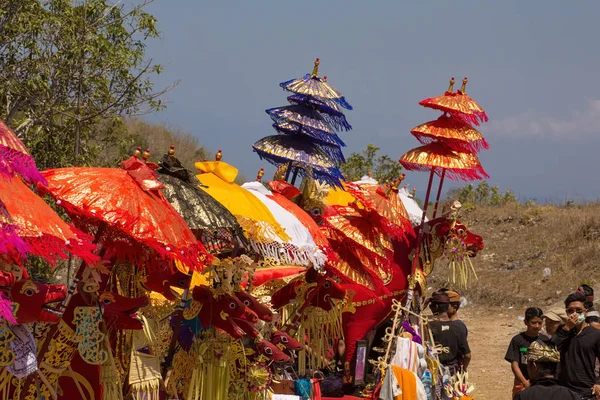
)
(521, 242)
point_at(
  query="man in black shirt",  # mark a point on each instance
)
(542, 361)
(449, 335)
(579, 346)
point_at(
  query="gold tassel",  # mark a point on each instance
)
(109, 378)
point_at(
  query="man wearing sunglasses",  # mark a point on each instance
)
(579, 346)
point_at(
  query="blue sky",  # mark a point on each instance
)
(534, 66)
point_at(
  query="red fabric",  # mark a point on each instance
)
(268, 274)
(45, 233)
(289, 191)
(133, 214)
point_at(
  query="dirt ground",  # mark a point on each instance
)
(490, 332)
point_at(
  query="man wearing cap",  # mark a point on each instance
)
(542, 361)
(449, 334)
(553, 319)
(453, 308)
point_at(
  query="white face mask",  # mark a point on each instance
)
(581, 318)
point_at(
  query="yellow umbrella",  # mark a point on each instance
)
(338, 197)
(217, 178)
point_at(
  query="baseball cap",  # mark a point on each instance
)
(556, 314)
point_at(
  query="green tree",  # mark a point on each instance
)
(69, 70)
(368, 162)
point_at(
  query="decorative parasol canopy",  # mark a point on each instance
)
(14, 157)
(374, 203)
(312, 85)
(40, 227)
(454, 132)
(332, 150)
(302, 152)
(278, 194)
(329, 109)
(301, 248)
(212, 223)
(217, 178)
(308, 122)
(458, 104)
(438, 157)
(126, 205)
(345, 225)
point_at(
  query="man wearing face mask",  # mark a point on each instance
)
(579, 346)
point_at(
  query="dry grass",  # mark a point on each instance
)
(520, 242)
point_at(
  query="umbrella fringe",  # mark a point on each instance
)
(475, 146)
(14, 162)
(290, 127)
(11, 243)
(331, 176)
(329, 110)
(289, 254)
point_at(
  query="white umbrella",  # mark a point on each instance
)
(301, 249)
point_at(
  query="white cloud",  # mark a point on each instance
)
(579, 124)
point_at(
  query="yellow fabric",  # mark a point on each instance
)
(407, 381)
(219, 177)
(337, 197)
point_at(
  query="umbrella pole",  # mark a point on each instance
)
(422, 225)
(61, 309)
(287, 171)
(294, 176)
(437, 199)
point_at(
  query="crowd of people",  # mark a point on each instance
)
(556, 357)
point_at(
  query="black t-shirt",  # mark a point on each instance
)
(517, 350)
(547, 389)
(578, 355)
(462, 325)
(452, 335)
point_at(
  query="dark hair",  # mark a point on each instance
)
(533, 312)
(573, 297)
(441, 308)
(587, 290)
(546, 368)
(589, 320)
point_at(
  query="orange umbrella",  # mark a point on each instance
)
(14, 157)
(126, 212)
(45, 233)
(458, 104)
(455, 133)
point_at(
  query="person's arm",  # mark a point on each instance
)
(466, 361)
(514, 366)
(562, 333)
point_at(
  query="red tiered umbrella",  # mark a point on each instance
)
(458, 104)
(455, 133)
(440, 159)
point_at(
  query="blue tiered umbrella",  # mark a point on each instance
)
(308, 142)
(303, 155)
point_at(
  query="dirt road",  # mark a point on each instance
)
(490, 332)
